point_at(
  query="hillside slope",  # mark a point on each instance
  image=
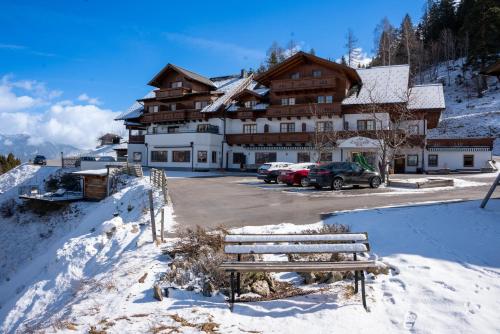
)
(467, 115)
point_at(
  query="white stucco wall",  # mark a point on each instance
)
(454, 159)
(381, 120)
(141, 148)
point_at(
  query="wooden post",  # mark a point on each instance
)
(490, 192)
(162, 224)
(164, 187)
(152, 212)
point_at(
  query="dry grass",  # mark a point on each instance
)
(349, 291)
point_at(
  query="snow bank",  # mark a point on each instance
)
(111, 225)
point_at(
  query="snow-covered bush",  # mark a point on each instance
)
(8, 208)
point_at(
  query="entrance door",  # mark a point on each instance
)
(399, 164)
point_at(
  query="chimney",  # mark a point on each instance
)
(244, 73)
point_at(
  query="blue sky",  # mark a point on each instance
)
(109, 50)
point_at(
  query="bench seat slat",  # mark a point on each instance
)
(282, 266)
(295, 249)
(234, 238)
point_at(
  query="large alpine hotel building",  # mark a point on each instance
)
(193, 122)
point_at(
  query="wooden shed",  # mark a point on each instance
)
(95, 184)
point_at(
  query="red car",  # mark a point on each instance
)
(296, 174)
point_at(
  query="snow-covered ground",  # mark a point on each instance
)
(466, 115)
(444, 277)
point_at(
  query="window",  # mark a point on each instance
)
(172, 107)
(346, 125)
(137, 156)
(153, 108)
(366, 125)
(154, 130)
(176, 84)
(214, 157)
(328, 99)
(172, 129)
(468, 160)
(200, 104)
(321, 99)
(288, 101)
(239, 158)
(249, 128)
(263, 157)
(432, 160)
(287, 127)
(324, 126)
(304, 127)
(412, 160)
(295, 75)
(316, 73)
(202, 157)
(413, 129)
(158, 156)
(250, 104)
(266, 128)
(303, 157)
(181, 156)
(326, 157)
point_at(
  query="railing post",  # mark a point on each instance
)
(152, 212)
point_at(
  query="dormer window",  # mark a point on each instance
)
(176, 84)
(250, 104)
(316, 74)
(295, 75)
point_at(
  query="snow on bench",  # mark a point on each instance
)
(239, 244)
(296, 249)
(243, 238)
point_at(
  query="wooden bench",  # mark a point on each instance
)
(345, 243)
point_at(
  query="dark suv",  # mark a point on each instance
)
(337, 174)
(40, 160)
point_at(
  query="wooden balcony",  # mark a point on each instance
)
(303, 84)
(137, 139)
(269, 138)
(171, 92)
(304, 110)
(247, 113)
(172, 116)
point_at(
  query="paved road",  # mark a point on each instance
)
(241, 201)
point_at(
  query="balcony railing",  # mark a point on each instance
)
(303, 84)
(171, 92)
(136, 139)
(202, 128)
(168, 116)
(269, 138)
(316, 109)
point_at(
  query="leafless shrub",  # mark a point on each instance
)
(8, 208)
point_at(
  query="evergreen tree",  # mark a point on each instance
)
(343, 61)
(9, 162)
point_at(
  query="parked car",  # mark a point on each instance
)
(107, 158)
(269, 171)
(40, 160)
(87, 158)
(337, 174)
(296, 174)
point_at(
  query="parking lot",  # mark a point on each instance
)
(236, 201)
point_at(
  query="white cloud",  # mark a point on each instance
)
(32, 112)
(91, 100)
(225, 48)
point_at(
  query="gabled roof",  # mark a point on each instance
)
(429, 96)
(227, 89)
(300, 57)
(382, 84)
(191, 75)
(135, 110)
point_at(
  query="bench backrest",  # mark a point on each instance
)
(296, 243)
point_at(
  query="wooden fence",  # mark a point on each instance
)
(158, 179)
(133, 169)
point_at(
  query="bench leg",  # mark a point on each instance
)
(232, 291)
(355, 281)
(238, 284)
(363, 294)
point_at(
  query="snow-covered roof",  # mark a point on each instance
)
(136, 109)
(429, 96)
(122, 146)
(382, 84)
(228, 88)
(97, 172)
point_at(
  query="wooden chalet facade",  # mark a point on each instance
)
(192, 122)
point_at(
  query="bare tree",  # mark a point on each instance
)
(352, 49)
(325, 136)
(393, 134)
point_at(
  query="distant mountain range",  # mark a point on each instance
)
(24, 149)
